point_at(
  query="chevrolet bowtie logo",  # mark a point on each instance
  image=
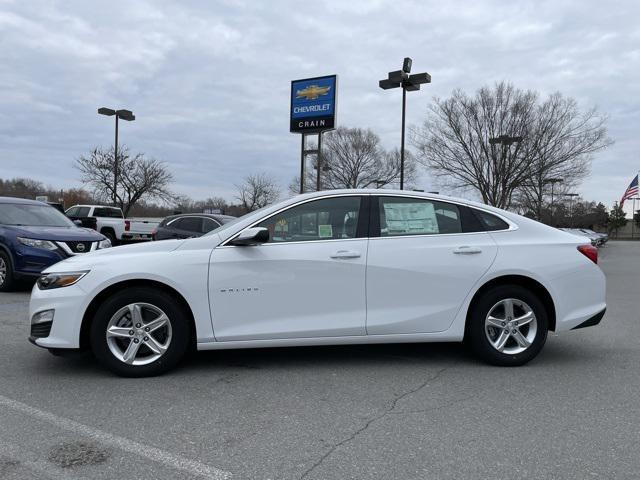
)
(312, 92)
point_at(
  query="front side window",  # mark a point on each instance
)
(416, 216)
(325, 219)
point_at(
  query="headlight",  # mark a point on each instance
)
(106, 243)
(32, 242)
(58, 280)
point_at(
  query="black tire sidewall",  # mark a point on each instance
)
(110, 236)
(7, 285)
(476, 327)
(180, 326)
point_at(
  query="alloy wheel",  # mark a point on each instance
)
(511, 326)
(139, 334)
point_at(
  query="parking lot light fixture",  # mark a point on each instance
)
(404, 79)
(553, 181)
(571, 197)
(124, 115)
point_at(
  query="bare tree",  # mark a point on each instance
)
(454, 141)
(140, 178)
(561, 142)
(256, 191)
(354, 158)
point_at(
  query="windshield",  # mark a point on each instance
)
(32, 216)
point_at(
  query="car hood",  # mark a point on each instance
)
(114, 254)
(61, 234)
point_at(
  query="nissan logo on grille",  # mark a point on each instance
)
(80, 247)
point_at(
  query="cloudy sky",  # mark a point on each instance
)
(209, 81)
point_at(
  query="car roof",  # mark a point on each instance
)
(20, 201)
(208, 215)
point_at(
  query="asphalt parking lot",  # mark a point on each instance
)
(389, 412)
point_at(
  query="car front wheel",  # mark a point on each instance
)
(140, 332)
(6, 273)
(507, 326)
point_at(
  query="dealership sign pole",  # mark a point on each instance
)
(313, 111)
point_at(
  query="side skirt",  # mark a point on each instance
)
(351, 340)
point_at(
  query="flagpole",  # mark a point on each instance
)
(633, 220)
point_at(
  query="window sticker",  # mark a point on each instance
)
(410, 218)
(325, 231)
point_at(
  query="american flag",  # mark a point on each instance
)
(631, 191)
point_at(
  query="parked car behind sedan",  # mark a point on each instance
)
(189, 225)
(34, 236)
(603, 237)
(594, 239)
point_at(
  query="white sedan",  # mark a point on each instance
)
(326, 268)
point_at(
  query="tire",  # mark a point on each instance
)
(486, 333)
(7, 280)
(112, 349)
(110, 235)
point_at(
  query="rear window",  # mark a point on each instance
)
(490, 222)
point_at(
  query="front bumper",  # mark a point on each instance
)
(68, 304)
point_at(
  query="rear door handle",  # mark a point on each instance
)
(342, 254)
(467, 250)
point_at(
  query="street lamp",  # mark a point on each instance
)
(411, 83)
(124, 115)
(553, 181)
(571, 197)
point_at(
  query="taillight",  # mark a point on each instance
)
(127, 225)
(589, 251)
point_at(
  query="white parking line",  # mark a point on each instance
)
(172, 460)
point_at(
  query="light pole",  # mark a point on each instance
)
(124, 115)
(401, 78)
(633, 215)
(553, 181)
(571, 197)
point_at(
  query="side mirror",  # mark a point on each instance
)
(251, 236)
(78, 223)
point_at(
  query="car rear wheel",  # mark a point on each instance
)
(110, 236)
(6, 273)
(508, 326)
(140, 332)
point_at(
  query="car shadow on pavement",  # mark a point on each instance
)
(432, 354)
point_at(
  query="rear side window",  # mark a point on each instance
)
(416, 216)
(107, 212)
(490, 222)
(208, 225)
(191, 224)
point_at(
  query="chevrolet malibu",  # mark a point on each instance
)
(326, 268)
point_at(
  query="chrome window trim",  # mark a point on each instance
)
(512, 226)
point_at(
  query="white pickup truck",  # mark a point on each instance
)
(110, 222)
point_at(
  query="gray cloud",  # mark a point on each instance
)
(209, 82)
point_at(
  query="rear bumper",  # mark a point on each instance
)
(590, 322)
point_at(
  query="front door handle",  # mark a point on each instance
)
(465, 250)
(342, 254)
